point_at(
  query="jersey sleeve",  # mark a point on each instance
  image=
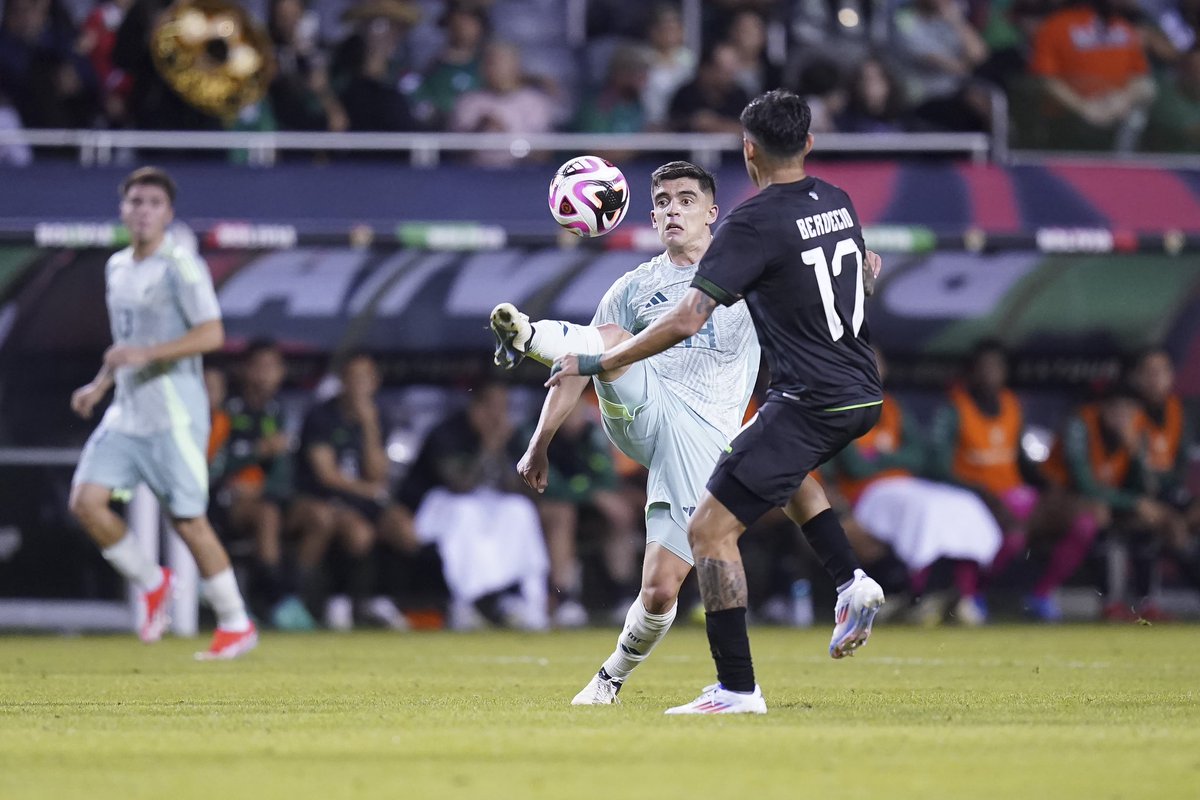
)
(734, 261)
(194, 289)
(614, 308)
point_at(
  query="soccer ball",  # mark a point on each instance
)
(589, 196)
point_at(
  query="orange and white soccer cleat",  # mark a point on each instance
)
(157, 608)
(227, 645)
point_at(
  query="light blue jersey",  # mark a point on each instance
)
(714, 371)
(151, 302)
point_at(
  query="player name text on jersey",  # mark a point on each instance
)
(825, 222)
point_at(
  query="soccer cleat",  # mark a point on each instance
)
(971, 610)
(1043, 608)
(513, 332)
(382, 611)
(227, 645)
(600, 691)
(854, 614)
(716, 699)
(569, 614)
(157, 607)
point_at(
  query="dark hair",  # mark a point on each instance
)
(986, 347)
(350, 356)
(149, 176)
(673, 170)
(260, 344)
(778, 122)
(1134, 361)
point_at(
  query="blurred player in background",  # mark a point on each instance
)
(795, 253)
(164, 315)
(673, 414)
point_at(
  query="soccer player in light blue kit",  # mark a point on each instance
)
(674, 413)
(164, 315)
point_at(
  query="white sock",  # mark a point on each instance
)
(128, 558)
(642, 631)
(221, 592)
(552, 339)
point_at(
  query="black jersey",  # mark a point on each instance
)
(795, 252)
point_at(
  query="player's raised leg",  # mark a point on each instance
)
(859, 596)
(90, 505)
(649, 618)
(713, 534)
(544, 340)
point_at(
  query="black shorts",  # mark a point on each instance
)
(771, 457)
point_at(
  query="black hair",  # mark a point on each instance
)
(778, 121)
(149, 176)
(258, 345)
(673, 170)
(986, 347)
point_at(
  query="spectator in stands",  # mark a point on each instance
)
(822, 86)
(876, 102)
(96, 42)
(977, 445)
(465, 490)
(250, 456)
(1175, 116)
(365, 66)
(1099, 456)
(713, 102)
(617, 106)
(582, 478)
(302, 98)
(939, 51)
(505, 104)
(747, 33)
(1094, 71)
(344, 496)
(15, 154)
(922, 521)
(50, 84)
(672, 66)
(457, 69)
(153, 105)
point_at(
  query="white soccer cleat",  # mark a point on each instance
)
(513, 332)
(716, 699)
(853, 615)
(600, 691)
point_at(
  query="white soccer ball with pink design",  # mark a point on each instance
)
(589, 196)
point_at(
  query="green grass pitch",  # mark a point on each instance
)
(1005, 712)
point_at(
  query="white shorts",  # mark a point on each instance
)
(651, 425)
(170, 462)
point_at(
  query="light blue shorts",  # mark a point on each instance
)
(650, 424)
(170, 462)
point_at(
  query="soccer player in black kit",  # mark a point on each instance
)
(795, 253)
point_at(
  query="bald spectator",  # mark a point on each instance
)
(505, 104)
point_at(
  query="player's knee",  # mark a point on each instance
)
(613, 334)
(659, 596)
(358, 535)
(86, 503)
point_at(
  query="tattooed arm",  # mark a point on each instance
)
(682, 321)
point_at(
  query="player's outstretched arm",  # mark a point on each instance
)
(684, 320)
(203, 338)
(534, 466)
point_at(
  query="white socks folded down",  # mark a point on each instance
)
(552, 339)
(641, 633)
(128, 558)
(220, 591)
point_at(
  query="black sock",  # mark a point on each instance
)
(360, 579)
(730, 646)
(828, 540)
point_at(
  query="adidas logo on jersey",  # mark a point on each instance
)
(657, 300)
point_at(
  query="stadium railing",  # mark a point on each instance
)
(101, 147)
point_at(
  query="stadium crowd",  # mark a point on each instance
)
(1077, 74)
(331, 530)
